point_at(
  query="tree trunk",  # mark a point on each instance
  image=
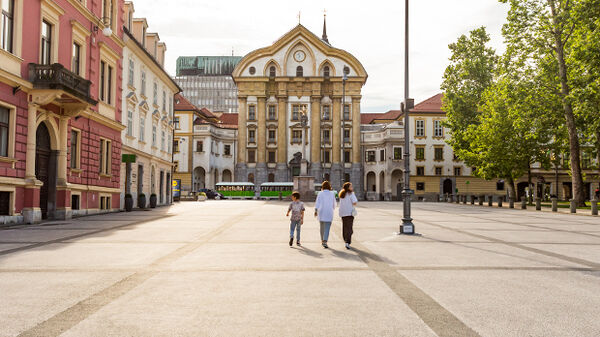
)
(512, 190)
(529, 190)
(576, 175)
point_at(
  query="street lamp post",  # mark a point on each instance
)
(343, 173)
(407, 226)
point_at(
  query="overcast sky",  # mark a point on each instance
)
(373, 31)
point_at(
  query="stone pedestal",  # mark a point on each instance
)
(305, 185)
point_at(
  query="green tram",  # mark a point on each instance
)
(272, 190)
(236, 190)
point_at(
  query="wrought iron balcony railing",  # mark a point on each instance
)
(56, 76)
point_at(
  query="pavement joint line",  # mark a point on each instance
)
(68, 318)
(432, 313)
(521, 246)
(77, 236)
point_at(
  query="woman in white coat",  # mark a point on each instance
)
(324, 207)
(347, 203)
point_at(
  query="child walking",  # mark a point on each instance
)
(297, 219)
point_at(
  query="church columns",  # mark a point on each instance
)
(31, 133)
(240, 167)
(282, 169)
(261, 174)
(356, 130)
(336, 145)
(315, 132)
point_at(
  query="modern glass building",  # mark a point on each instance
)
(207, 83)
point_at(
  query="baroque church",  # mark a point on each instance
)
(300, 74)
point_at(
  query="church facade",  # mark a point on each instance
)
(299, 73)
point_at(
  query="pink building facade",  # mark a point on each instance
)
(60, 108)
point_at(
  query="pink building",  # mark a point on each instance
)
(60, 108)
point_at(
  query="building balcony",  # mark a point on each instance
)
(57, 77)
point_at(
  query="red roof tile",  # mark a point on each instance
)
(432, 104)
(369, 118)
(182, 104)
(229, 119)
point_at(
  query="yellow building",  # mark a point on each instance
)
(299, 72)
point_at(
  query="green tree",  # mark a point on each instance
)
(542, 31)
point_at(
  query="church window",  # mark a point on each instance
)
(299, 71)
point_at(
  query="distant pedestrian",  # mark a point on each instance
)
(324, 207)
(297, 219)
(347, 212)
(597, 192)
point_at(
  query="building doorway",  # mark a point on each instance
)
(45, 170)
(447, 187)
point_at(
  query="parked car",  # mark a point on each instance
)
(211, 194)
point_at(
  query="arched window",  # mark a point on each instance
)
(326, 71)
(252, 70)
(271, 178)
(107, 13)
(299, 71)
(346, 70)
(272, 71)
(251, 178)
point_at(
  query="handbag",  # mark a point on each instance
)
(354, 212)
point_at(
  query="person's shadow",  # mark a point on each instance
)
(308, 252)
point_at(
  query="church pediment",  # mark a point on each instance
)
(298, 48)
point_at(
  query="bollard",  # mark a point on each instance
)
(500, 199)
(458, 199)
(573, 206)
(451, 199)
(554, 204)
(538, 204)
(490, 200)
(594, 203)
(465, 199)
(523, 203)
(481, 200)
(472, 200)
(511, 202)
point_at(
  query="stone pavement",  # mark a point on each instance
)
(223, 268)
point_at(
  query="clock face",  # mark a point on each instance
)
(299, 56)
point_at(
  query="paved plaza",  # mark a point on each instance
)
(224, 268)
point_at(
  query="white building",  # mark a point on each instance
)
(205, 145)
(148, 93)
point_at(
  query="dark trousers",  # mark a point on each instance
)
(347, 222)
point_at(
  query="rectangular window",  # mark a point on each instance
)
(4, 131)
(397, 153)
(162, 141)
(326, 136)
(370, 156)
(439, 153)
(227, 150)
(381, 155)
(105, 156)
(155, 91)
(106, 78)
(46, 49)
(143, 83)
(251, 136)
(170, 144)
(109, 85)
(272, 136)
(164, 101)
(438, 171)
(327, 156)
(271, 156)
(296, 136)
(176, 146)
(420, 153)
(142, 128)
(457, 171)
(8, 14)
(326, 112)
(102, 80)
(346, 112)
(438, 129)
(346, 156)
(296, 112)
(251, 113)
(76, 58)
(130, 123)
(272, 113)
(74, 149)
(420, 186)
(131, 72)
(420, 170)
(153, 135)
(251, 156)
(199, 146)
(346, 135)
(420, 128)
(176, 123)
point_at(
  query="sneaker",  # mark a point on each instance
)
(325, 245)
(347, 246)
(298, 244)
(291, 241)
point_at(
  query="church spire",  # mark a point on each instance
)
(324, 38)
